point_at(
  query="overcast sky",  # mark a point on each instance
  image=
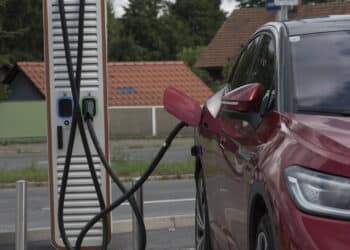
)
(227, 5)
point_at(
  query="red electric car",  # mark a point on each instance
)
(273, 146)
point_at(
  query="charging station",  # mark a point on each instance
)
(76, 62)
(80, 202)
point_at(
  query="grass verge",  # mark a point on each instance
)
(135, 169)
(31, 174)
(122, 168)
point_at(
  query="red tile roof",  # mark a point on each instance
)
(35, 71)
(242, 23)
(148, 79)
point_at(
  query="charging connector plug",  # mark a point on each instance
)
(89, 108)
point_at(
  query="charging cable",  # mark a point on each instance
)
(134, 188)
(142, 228)
(76, 120)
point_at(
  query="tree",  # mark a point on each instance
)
(160, 29)
(141, 30)
(113, 30)
(3, 91)
(190, 56)
(227, 70)
(21, 30)
(200, 18)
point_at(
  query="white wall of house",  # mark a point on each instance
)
(147, 121)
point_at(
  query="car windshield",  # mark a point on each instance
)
(321, 70)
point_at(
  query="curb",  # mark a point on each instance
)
(30, 184)
(122, 226)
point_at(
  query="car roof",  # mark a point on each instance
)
(318, 25)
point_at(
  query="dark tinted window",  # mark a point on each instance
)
(264, 68)
(246, 61)
(321, 69)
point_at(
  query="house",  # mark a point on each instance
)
(25, 82)
(237, 29)
(135, 97)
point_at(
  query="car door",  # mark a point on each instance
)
(219, 178)
(239, 143)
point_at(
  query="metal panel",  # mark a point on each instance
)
(81, 202)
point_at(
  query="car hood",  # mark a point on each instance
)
(327, 135)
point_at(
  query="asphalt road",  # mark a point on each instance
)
(175, 154)
(180, 239)
(162, 198)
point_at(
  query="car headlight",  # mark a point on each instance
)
(319, 193)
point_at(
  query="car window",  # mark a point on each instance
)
(321, 73)
(264, 68)
(244, 65)
(263, 72)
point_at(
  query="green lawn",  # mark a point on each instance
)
(122, 168)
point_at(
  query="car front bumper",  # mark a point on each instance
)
(300, 231)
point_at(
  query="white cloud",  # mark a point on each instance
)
(118, 7)
(227, 5)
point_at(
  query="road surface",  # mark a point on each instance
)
(162, 198)
(180, 239)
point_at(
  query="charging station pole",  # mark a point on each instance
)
(81, 203)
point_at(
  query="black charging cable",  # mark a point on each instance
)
(134, 188)
(142, 228)
(76, 120)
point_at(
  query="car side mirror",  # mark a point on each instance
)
(213, 103)
(242, 103)
(182, 106)
(244, 99)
